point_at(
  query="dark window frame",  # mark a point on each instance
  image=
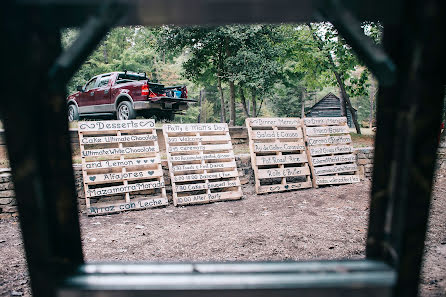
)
(45, 189)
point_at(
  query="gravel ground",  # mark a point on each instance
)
(324, 223)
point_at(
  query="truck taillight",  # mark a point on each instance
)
(145, 89)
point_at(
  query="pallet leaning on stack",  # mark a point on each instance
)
(120, 158)
(331, 153)
(278, 154)
(201, 163)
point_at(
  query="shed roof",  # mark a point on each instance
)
(330, 94)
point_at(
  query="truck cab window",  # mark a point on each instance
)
(104, 81)
(90, 85)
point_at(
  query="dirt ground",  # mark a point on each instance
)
(324, 223)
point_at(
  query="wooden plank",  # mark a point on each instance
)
(337, 179)
(333, 169)
(312, 131)
(277, 122)
(194, 167)
(119, 151)
(186, 158)
(204, 186)
(123, 189)
(342, 139)
(112, 207)
(120, 163)
(91, 126)
(121, 176)
(283, 172)
(287, 187)
(208, 138)
(283, 159)
(117, 139)
(279, 146)
(325, 121)
(192, 148)
(193, 177)
(326, 150)
(272, 134)
(332, 149)
(202, 136)
(274, 144)
(112, 170)
(176, 128)
(209, 197)
(317, 161)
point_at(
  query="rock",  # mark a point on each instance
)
(9, 209)
(93, 239)
(16, 293)
(364, 161)
(5, 179)
(7, 194)
(5, 216)
(5, 200)
(6, 186)
(139, 227)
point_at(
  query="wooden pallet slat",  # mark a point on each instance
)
(129, 163)
(278, 154)
(330, 151)
(283, 159)
(201, 163)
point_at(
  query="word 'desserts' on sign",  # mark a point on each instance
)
(330, 151)
(121, 166)
(278, 154)
(201, 162)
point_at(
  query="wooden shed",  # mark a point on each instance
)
(331, 106)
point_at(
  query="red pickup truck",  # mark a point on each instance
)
(126, 95)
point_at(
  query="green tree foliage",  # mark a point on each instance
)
(124, 48)
(244, 70)
(244, 57)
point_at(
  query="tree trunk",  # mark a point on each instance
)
(248, 105)
(260, 107)
(222, 100)
(204, 111)
(346, 98)
(231, 104)
(339, 80)
(302, 102)
(200, 108)
(243, 99)
(372, 95)
(254, 104)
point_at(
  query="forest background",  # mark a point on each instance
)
(241, 71)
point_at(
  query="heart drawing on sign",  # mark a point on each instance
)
(145, 161)
(150, 172)
(138, 161)
(152, 160)
(286, 186)
(92, 178)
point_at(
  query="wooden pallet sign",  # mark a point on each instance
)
(121, 166)
(331, 155)
(278, 154)
(201, 163)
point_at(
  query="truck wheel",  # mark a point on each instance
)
(125, 111)
(73, 113)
